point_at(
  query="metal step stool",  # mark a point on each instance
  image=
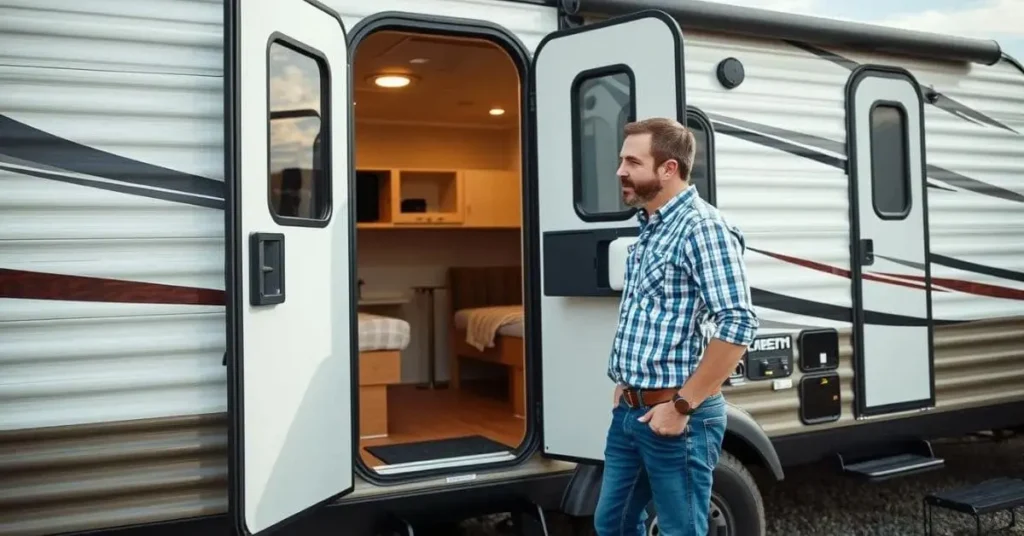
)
(996, 495)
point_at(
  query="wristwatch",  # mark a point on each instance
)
(682, 405)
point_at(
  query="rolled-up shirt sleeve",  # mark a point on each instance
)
(715, 257)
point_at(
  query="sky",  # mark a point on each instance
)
(1002, 20)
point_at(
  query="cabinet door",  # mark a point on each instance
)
(493, 199)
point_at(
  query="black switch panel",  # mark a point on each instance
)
(266, 268)
(770, 357)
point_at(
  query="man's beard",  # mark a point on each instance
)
(642, 193)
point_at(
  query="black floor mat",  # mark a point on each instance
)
(436, 449)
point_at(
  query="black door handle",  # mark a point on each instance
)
(867, 252)
(266, 268)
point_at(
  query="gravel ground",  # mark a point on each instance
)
(813, 501)
(816, 501)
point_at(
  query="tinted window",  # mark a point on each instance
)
(603, 105)
(298, 174)
(890, 174)
(700, 175)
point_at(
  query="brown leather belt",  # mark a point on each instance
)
(636, 398)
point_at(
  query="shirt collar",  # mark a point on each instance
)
(673, 206)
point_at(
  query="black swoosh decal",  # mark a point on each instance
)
(800, 306)
(791, 135)
(28, 143)
(775, 138)
(977, 268)
(942, 101)
(122, 188)
(779, 144)
(973, 185)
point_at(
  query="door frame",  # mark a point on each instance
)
(861, 409)
(520, 56)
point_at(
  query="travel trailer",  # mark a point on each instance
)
(425, 193)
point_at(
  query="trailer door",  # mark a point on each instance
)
(894, 359)
(587, 83)
(289, 261)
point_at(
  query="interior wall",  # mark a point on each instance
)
(391, 261)
(382, 145)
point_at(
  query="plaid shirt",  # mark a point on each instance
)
(685, 283)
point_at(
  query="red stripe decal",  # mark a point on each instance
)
(44, 286)
(970, 287)
(834, 270)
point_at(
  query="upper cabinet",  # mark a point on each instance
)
(470, 198)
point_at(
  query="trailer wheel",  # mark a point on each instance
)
(737, 508)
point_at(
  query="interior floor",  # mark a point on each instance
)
(419, 414)
(439, 229)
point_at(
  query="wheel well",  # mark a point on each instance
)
(734, 444)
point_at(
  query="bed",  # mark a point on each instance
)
(381, 341)
(487, 324)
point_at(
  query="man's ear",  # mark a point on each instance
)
(671, 167)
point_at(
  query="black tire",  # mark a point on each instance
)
(736, 502)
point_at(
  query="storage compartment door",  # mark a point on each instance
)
(587, 83)
(289, 261)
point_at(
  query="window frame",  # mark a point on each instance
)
(696, 115)
(577, 139)
(904, 129)
(326, 133)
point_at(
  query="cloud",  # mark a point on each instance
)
(983, 19)
(790, 6)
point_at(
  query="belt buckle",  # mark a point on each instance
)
(634, 398)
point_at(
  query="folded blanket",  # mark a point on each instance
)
(483, 324)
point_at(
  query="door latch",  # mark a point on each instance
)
(867, 252)
(266, 268)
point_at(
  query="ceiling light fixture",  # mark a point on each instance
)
(497, 111)
(419, 60)
(392, 80)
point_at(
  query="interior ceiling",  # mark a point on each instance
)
(458, 83)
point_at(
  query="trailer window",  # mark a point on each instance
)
(890, 169)
(602, 104)
(702, 175)
(298, 134)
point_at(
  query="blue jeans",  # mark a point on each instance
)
(676, 472)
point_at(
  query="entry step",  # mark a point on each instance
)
(892, 466)
(890, 461)
(990, 496)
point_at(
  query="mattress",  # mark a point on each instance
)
(378, 333)
(509, 328)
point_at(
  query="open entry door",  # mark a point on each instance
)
(588, 83)
(289, 261)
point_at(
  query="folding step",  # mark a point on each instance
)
(1001, 494)
(895, 461)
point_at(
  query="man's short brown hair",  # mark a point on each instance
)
(670, 140)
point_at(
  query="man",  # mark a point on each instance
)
(685, 272)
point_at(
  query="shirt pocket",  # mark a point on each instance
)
(650, 276)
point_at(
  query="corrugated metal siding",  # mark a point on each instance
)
(69, 363)
(79, 478)
(762, 189)
(93, 393)
(976, 363)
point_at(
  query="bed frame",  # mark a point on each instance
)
(470, 287)
(377, 370)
